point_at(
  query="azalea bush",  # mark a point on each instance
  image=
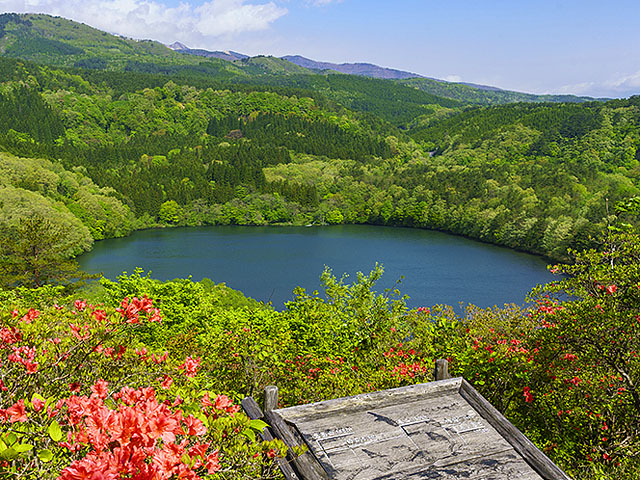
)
(350, 342)
(587, 376)
(79, 394)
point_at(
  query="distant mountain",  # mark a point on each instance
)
(485, 95)
(465, 92)
(57, 41)
(178, 46)
(229, 56)
(362, 69)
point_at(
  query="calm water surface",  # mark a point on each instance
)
(267, 263)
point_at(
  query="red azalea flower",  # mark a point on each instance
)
(16, 412)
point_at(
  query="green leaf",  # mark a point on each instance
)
(23, 447)
(258, 424)
(202, 417)
(11, 438)
(9, 454)
(45, 455)
(250, 434)
(54, 431)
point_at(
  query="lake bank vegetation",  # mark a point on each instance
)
(79, 371)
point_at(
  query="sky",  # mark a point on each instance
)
(581, 47)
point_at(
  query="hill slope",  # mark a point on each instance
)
(484, 95)
(55, 41)
(58, 41)
(220, 143)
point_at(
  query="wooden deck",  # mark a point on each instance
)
(439, 430)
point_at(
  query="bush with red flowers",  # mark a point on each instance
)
(81, 397)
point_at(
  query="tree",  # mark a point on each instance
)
(170, 212)
(588, 342)
(35, 251)
(335, 217)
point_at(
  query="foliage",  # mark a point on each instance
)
(79, 395)
(483, 95)
(563, 369)
(35, 252)
(234, 143)
(37, 242)
(40, 186)
(591, 345)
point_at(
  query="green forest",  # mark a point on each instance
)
(539, 177)
(101, 136)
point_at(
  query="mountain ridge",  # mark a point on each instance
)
(463, 91)
(358, 68)
(50, 40)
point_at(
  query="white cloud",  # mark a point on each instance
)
(193, 25)
(626, 82)
(623, 85)
(583, 88)
(453, 78)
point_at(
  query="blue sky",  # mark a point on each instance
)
(545, 46)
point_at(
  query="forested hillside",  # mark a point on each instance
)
(64, 43)
(204, 141)
(482, 95)
(537, 177)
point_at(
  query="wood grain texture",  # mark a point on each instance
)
(538, 460)
(441, 370)
(440, 430)
(270, 397)
(383, 398)
(251, 408)
(306, 464)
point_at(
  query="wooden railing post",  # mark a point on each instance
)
(270, 398)
(441, 371)
(253, 411)
(306, 464)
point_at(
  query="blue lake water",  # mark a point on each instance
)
(267, 263)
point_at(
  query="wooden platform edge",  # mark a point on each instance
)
(525, 447)
(252, 410)
(306, 464)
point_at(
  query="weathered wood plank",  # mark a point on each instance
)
(306, 464)
(364, 443)
(505, 465)
(251, 408)
(443, 429)
(394, 396)
(538, 460)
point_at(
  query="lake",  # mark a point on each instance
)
(267, 263)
